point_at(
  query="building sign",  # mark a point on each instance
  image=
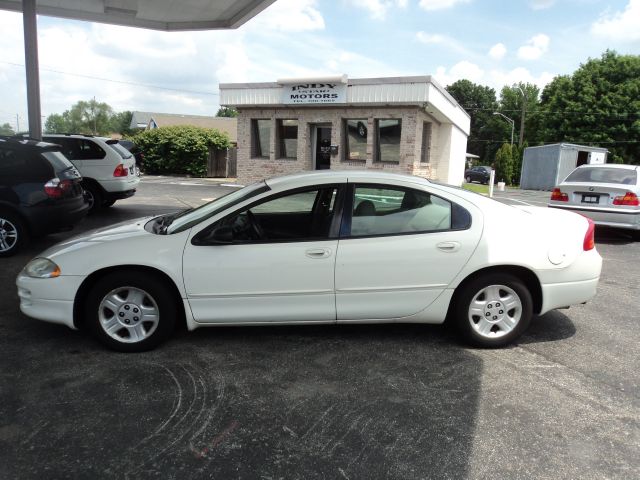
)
(314, 93)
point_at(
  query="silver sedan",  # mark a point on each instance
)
(608, 194)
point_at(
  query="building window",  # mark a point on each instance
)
(287, 138)
(388, 140)
(260, 138)
(355, 134)
(426, 143)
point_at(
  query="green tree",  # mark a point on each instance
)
(512, 99)
(90, 117)
(599, 105)
(120, 123)
(227, 112)
(504, 164)
(6, 129)
(180, 149)
(487, 130)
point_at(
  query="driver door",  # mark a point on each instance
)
(270, 262)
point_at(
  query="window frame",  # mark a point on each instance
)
(280, 139)
(349, 200)
(255, 138)
(334, 228)
(345, 147)
(377, 153)
(425, 154)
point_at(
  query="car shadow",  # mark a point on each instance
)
(612, 236)
(550, 327)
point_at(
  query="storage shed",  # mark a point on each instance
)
(545, 166)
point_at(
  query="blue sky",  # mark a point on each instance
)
(489, 42)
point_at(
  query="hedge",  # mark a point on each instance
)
(181, 150)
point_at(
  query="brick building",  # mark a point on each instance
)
(401, 124)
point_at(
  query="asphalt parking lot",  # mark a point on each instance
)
(325, 402)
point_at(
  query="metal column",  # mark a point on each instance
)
(31, 66)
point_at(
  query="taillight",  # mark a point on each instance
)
(120, 171)
(629, 198)
(558, 196)
(55, 188)
(589, 240)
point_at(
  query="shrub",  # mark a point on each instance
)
(504, 164)
(179, 149)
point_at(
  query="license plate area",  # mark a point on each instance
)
(590, 198)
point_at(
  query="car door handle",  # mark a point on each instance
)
(318, 252)
(448, 246)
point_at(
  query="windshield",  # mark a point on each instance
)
(603, 175)
(189, 218)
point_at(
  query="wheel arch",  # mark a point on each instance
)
(91, 280)
(527, 276)
(11, 208)
(94, 182)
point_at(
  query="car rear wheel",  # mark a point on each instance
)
(93, 196)
(493, 310)
(13, 234)
(131, 311)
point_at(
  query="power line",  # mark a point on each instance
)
(125, 82)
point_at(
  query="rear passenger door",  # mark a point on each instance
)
(399, 248)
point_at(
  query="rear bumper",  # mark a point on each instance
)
(627, 219)
(572, 285)
(119, 195)
(48, 218)
(120, 185)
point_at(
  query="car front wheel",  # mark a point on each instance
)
(493, 310)
(468, 179)
(13, 234)
(131, 311)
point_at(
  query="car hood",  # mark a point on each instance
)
(117, 232)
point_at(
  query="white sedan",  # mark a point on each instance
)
(327, 247)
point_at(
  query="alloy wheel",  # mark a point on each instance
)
(8, 235)
(128, 314)
(495, 311)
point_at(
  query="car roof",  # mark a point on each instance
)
(610, 165)
(328, 176)
(75, 135)
(28, 143)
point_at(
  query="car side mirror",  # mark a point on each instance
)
(222, 235)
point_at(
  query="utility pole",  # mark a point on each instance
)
(93, 111)
(17, 123)
(524, 104)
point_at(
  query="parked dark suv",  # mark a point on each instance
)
(478, 174)
(40, 192)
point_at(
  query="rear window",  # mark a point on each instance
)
(123, 152)
(57, 160)
(603, 175)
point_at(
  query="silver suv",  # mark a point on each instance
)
(108, 169)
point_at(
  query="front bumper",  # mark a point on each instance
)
(49, 299)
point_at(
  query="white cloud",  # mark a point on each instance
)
(431, 38)
(290, 16)
(461, 70)
(499, 78)
(623, 26)
(541, 4)
(534, 48)
(378, 9)
(498, 51)
(431, 5)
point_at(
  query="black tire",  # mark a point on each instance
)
(93, 195)
(108, 203)
(469, 325)
(125, 284)
(635, 235)
(13, 234)
(468, 179)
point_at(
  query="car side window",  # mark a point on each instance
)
(12, 164)
(88, 150)
(391, 210)
(297, 216)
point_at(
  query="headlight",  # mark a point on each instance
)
(42, 268)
